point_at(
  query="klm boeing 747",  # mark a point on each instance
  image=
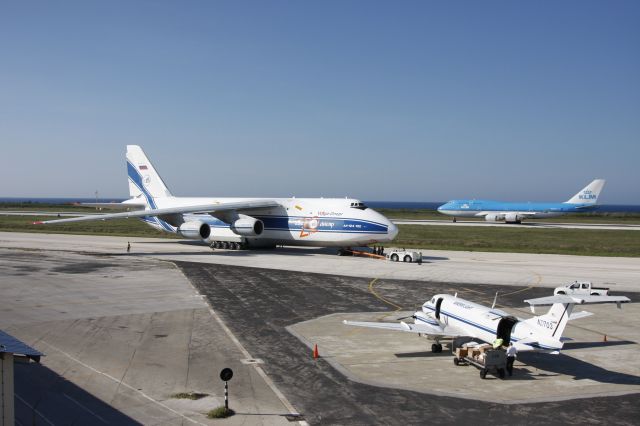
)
(235, 223)
(497, 211)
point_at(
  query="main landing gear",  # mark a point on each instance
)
(227, 245)
(436, 348)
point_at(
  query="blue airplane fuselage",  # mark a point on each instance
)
(472, 208)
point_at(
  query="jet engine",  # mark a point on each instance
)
(247, 226)
(195, 230)
(512, 218)
(493, 217)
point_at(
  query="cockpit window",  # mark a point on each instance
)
(359, 205)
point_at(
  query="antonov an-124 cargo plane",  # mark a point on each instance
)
(235, 223)
(446, 316)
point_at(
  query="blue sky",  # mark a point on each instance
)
(412, 101)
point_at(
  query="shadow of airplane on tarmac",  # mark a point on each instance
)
(578, 369)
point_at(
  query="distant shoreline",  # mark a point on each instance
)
(395, 205)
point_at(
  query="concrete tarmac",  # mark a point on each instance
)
(260, 311)
(121, 336)
(537, 270)
(359, 378)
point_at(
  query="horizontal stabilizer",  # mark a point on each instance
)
(577, 300)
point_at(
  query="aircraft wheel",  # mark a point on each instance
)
(225, 245)
(439, 348)
(456, 361)
(236, 246)
(395, 257)
(483, 373)
(434, 348)
(407, 258)
(501, 373)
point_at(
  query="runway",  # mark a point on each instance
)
(527, 224)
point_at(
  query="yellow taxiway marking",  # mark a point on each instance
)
(388, 302)
(539, 280)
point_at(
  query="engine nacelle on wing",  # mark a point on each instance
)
(512, 218)
(493, 217)
(247, 226)
(195, 230)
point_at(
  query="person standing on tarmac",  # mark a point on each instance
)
(511, 357)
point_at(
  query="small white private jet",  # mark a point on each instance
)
(235, 223)
(446, 316)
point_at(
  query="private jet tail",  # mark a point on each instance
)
(589, 194)
(144, 182)
(553, 323)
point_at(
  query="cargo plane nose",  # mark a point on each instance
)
(392, 230)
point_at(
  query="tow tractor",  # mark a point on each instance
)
(407, 256)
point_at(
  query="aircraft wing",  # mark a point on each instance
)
(206, 208)
(114, 206)
(427, 329)
(521, 214)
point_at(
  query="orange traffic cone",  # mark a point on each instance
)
(315, 352)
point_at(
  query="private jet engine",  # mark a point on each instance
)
(195, 230)
(247, 226)
(512, 218)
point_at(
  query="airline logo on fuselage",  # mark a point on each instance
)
(463, 305)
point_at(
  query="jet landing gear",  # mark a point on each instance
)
(436, 348)
(227, 245)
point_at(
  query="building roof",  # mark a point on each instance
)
(10, 344)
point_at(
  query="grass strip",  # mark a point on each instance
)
(597, 242)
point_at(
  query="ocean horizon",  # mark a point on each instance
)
(412, 205)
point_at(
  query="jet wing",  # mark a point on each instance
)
(206, 208)
(427, 329)
(502, 214)
(115, 206)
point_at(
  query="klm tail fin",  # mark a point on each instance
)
(144, 182)
(589, 194)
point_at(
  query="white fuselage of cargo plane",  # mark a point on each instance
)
(242, 222)
(324, 222)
